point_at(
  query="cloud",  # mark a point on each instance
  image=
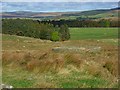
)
(61, 1)
(56, 6)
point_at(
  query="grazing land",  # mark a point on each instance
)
(93, 33)
(88, 60)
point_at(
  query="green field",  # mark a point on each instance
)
(32, 63)
(93, 33)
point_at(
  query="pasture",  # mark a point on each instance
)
(93, 33)
(33, 63)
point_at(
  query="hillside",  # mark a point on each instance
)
(96, 14)
(100, 13)
(25, 14)
(35, 63)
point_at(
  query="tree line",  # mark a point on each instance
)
(36, 29)
(84, 23)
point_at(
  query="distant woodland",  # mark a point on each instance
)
(84, 23)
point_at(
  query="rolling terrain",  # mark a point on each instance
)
(85, 61)
(96, 14)
(60, 45)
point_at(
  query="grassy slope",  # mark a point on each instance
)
(105, 15)
(92, 14)
(29, 62)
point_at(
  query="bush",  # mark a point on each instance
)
(64, 32)
(55, 36)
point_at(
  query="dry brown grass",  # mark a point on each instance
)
(39, 58)
(112, 67)
(73, 59)
(97, 70)
(35, 59)
(50, 61)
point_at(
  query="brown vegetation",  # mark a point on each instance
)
(37, 60)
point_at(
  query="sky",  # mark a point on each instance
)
(55, 6)
(60, 0)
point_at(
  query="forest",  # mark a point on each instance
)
(33, 28)
(84, 22)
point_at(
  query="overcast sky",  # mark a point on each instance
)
(56, 6)
(60, 0)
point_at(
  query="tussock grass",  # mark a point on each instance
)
(36, 65)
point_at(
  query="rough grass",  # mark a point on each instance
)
(29, 62)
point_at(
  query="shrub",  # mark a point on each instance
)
(64, 32)
(55, 36)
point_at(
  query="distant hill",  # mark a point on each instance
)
(26, 14)
(87, 13)
(100, 13)
(118, 8)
